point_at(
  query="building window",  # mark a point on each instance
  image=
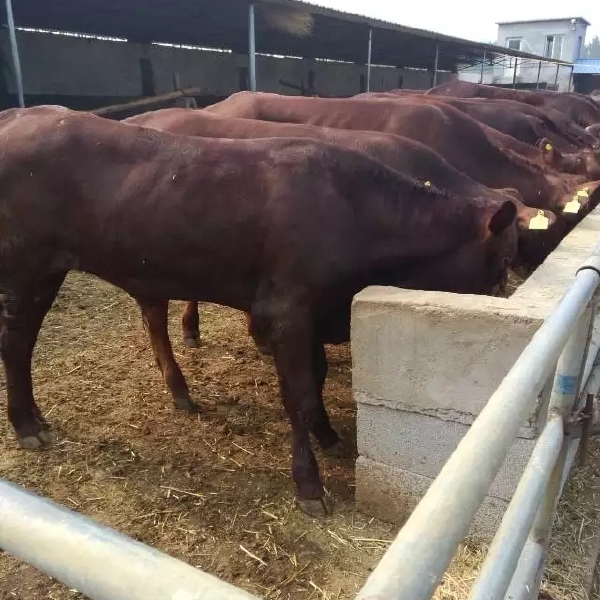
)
(553, 47)
(513, 44)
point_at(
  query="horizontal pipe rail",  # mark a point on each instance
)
(533, 555)
(96, 560)
(501, 561)
(414, 564)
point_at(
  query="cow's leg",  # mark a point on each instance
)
(20, 320)
(292, 345)
(190, 323)
(326, 435)
(154, 315)
(260, 342)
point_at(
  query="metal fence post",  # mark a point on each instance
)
(567, 383)
(537, 83)
(556, 77)
(369, 50)
(515, 73)
(436, 63)
(570, 78)
(14, 48)
(482, 66)
(252, 47)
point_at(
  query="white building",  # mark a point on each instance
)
(560, 39)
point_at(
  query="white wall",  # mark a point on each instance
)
(533, 36)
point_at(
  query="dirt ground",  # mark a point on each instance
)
(212, 489)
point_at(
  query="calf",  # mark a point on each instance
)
(286, 229)
(406, 156)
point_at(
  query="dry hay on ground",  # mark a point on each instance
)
(212, 489)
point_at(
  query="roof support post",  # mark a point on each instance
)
(15, 53)
(482, 66)
(537, 83)
(435, 64)
(251, 46)
(369, 51)
(515, 73)
(570, 78)
(556, 77)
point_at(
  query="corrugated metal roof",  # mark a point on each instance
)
(587, 66)
(336, 35)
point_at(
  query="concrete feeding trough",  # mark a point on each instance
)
(425, 364)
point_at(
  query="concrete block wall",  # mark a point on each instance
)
(74, 66)
(425, 364)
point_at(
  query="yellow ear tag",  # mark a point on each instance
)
(540, 221)
(548, 147)
(573, 206)
(427, 183)
(583, 194)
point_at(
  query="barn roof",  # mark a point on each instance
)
(224, 24)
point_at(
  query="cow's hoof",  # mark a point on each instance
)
(42, 439)
(336, 450)
(191, 341)
(187, 405)
(314, 508)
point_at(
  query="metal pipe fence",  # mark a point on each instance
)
(105, 565)
(414, 564)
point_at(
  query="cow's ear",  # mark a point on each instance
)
(503, 218)
(550, 155)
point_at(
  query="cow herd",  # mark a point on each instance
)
(284, 208)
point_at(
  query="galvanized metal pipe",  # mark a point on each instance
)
(531, 562)
(515, 73)
(369, 52)
(567, 384)
(14, 48)
(556, 77)
(501, 561)
(95, 560)
(537, 83)
(530, 567)
(417, 559)
(496, 573)
(252, 47)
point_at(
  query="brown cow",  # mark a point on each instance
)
(581, 109)
(451, 133)
(408, 157)
(286, 229)
(466, 89)
(522, 121)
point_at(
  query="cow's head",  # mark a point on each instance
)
(567, 163)
(583, 162)
(479, 266)
(540, 232)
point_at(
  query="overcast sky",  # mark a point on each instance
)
(471, 20)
